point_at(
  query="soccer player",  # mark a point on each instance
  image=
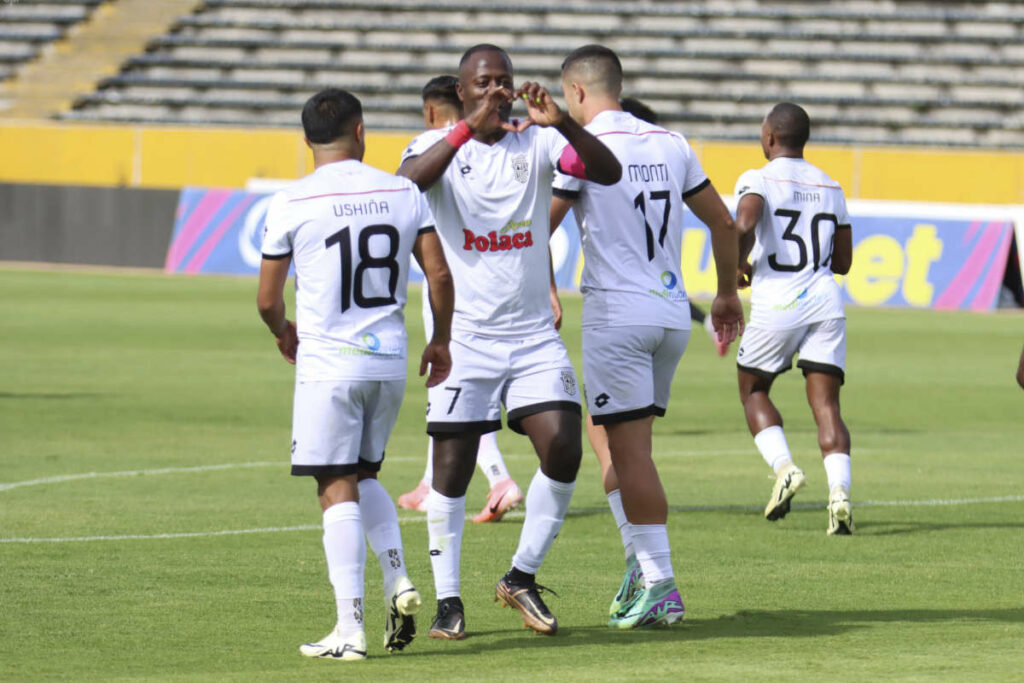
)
(796, 232)
(442, 109)
(633, 106)
(1020, 370)
(488, 181)
(350, 229)
(636, 321)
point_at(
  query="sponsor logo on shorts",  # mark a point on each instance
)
(569, 382)
(602, 400)
(521, 168)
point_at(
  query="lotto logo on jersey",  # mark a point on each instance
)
(492, 241)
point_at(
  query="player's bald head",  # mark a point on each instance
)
(595, 67)
(473, 55)
(790, 124)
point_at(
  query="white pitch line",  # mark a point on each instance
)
(515, 515)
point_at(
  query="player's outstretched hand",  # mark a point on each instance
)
(484, 118)
(288, 342)
(539, 104)
(437, 358)
(727, 317)
(744, 275)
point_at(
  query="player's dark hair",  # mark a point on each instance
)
(593, 52)
(484, 47)
(331, 114)
(632, 105)
(442, 89)
(790, 124)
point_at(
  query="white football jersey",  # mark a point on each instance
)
(632, 231)
(803, 207)
(350, 230)
(492, 206)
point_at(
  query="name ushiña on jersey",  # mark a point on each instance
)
(370, 208)
(499, 240)
(647, 173)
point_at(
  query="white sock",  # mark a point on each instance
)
(428, 473)
(345, 548)
(625, 528)
(653, 553)
(489, 459)
(837, 469)
(547, 501)
(446, 518)
(380, 519)
(774, 449)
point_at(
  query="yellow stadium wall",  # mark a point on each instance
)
(169, 158)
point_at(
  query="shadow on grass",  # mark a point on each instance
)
(743, 624)
(895, 527)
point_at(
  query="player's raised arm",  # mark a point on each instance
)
(270, 302)
(430, 256)
(726, 310)
(425, 169)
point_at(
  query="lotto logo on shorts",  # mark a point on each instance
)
(493, 242)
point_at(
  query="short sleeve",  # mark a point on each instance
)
(695, 179)
(750, 182)
(277, 231)
(422, 142)
(842, 215)
(566, 186)
(554, 144)
(424, 216)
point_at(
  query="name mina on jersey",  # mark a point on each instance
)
(632, 231)
(350, 229)
(803, 207)
(492, 206)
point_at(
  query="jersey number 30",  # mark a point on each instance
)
(791, 236)
(352, 283)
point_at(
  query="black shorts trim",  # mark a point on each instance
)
(276, 257)
(336, 470)
(515, 417)
(698, 188)
(426, 229)
(826, 368)
(478, 426)
(843, 226)
(628, 415)
(763, 374)
(565, 194)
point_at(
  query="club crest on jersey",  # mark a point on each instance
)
(521, 168)
(569, 382)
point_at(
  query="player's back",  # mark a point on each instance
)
(350, 230)
(632, 231)
(803, 208)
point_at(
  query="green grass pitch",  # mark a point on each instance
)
(170, 391)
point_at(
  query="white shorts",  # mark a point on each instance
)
(821, 345)
(628, 371)
(528, 375)
(339, 426)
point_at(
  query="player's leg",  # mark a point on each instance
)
(542, 400)
(459, 410)
(629, 373)
(555, 435)
(326, 435)
(823, 359)
(380, 520)
(762, 355)
(504, 494)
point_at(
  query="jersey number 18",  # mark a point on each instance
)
(352, 283)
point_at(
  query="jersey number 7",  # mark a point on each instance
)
(352, 283)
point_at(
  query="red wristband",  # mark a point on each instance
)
(459, 135)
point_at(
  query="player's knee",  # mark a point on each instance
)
(834, 439)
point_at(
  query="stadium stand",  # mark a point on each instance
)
(869, 71)
(28, 26)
